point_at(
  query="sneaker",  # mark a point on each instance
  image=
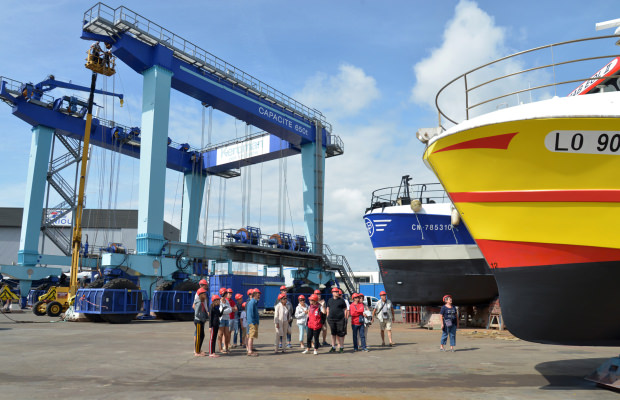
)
(305, 351)
(452, 350)
(366, 350)
(280, 346)
(325, 343)
(316, 352)
(289, 346)
(354, 350)
(332, 350)
(341, 350)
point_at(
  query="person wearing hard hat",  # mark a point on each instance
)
(321, 302)
(449, 322)
(200, 317)
(315, 323)
(243, 324)
(203, 285)
(384, 311)
(337, 316)
(231, 317)
(357, 323)
(284, 290)
(214, 323)
(235, 321)
(253, 321)
(225, 309)
(301, 314)
(281, 319)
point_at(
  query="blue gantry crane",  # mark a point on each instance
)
(167, 61)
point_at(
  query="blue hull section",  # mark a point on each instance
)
(399, 230)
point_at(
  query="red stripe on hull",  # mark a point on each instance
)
(504, 254)
(500, 142)
(519, 196)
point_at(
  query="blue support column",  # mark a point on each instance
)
(312, 168)
(192, 203)
(153, 151)
(35, 194)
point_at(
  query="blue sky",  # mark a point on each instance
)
(372, 68)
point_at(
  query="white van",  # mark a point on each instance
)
(370, 301)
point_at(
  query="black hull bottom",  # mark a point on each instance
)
(572, 304)
(425, 282)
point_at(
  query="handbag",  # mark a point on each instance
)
(448, 322)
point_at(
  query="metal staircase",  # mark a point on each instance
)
(339, 263)
(65, 190)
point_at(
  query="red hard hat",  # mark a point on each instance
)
(215, 297)
(203, 282)
(445, 297)
(282, 287)
(382, 293)
(250, 291)
(201, 291)
(257, 290)
(301, 296)
(243, 305)
(335, 290)
(354, 295)
(222, 290)
(229, 290)
(340, 290)
(238, 296)
(317, 291)
(314, 297)
(281, 296)
(360, 295)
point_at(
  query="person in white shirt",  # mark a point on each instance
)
(301, 314)
(384, 311)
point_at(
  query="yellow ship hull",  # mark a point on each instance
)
(542, 200)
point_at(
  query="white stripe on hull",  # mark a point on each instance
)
(436, 252)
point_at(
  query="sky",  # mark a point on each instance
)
(372, 68)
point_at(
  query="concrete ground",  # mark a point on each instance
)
(44, 358)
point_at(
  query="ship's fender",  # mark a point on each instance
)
(455, 217)
(416, 205)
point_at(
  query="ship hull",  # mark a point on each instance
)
(425, 282)
(422, 257)
(561, 304)
(541, 198)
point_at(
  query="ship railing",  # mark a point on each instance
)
(524, 77)
(427, 193)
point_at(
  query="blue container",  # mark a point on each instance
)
(173, 301)
(268, 285)
(33, 296)
(371, 289)
(109, 301)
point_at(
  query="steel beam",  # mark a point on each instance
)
(40, 148)
(155, 117)
(192, 203)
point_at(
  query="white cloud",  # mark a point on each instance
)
(472, 39)
(342, 95)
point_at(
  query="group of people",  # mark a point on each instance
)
(227, 317)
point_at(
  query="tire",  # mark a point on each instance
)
(187, 285)
(120, 283)
(39, 308)
(93, 317)
(164, 286)
(96, 284)
(54, 309)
